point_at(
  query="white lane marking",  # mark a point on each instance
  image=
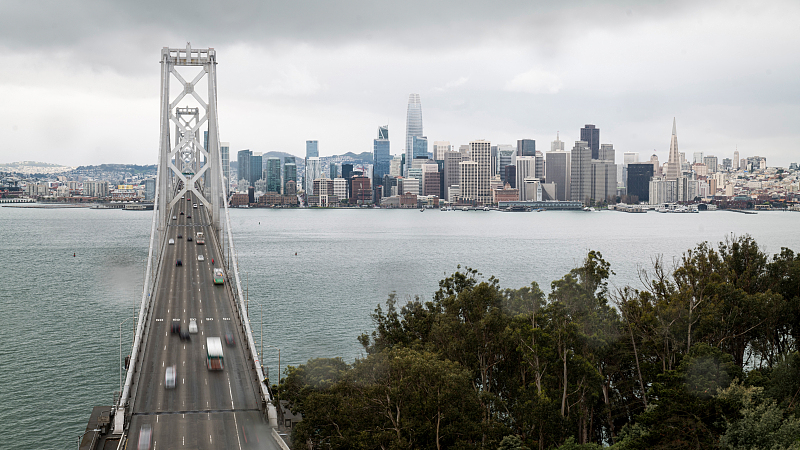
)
(162, 363)
(210, 440)
(239, 439)
(165, 347)
(230, 391)
(184, 380)
(156, 419)
(184, 440)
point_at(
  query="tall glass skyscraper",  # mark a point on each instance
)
(225, 154)
(419, 144)
(273, 174)
(413, 127)
(381, 157)
(312, 151)
(243, 161)
(256, 168)
(289, 173)
(591, 135)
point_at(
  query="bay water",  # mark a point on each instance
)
(72, 279)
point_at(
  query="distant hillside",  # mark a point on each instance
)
(365, 156)
(130, 168)
(32, 167)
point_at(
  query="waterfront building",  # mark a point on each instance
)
(340, 188)
(97, 189)
(361, 190)
(451, 170)
(439, 149)
(525, 167)
(526, 147)
(506, 194)
(454, 194)
(290, 188)
(347, 171)
(558, 171)
(482, 154)
(431, 182)
(225, 154)
(539, 170)
(638, 182)
(273, 174)
(580, 172)
(531, 190)
(469, 182)
(591, 135)
(380, 153)
(150, 189)
(243, 161)
(674, 162)
(413, 127)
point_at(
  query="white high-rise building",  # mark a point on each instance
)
(313, 172)
(439, 147)
(395, 168)
(481, 152)
(413, 127)
(557, 145)
(526, 168)
(581, 168)
(340, 188)
(468, 191)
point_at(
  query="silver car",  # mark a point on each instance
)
(170, 376)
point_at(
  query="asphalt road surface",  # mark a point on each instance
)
(206, 409)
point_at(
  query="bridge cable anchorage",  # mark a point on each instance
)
(190, 163)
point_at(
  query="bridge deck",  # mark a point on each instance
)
(206, 409)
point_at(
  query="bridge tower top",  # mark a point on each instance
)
(191, 162)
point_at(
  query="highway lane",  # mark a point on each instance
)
(206, 409)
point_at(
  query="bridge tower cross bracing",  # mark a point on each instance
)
(190, 166)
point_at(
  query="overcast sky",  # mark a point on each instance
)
(80, 79)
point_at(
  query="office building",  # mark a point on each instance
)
(539, 164)
(591, 135)
(396, 166)
(580, 172)
(525, 167)
(273, 174)
(340, 188)
(697, 158)
(557, 170)
(511, 176)
(361, 190)
(638, 182)
(431, 182)
(225, 155)
(380, 153)
(313, 172)
(526, 147)
(243, 161)
(413, 127)
(451, 171)
(420, 149)
(674, 162)
(439, 149)
(469, 182)
(481, 152)
(256, 168)
(289, 175)
(557, 145)
(711, 163)
(604, 180)
(505, 158)
(736, 160)
(312, 149)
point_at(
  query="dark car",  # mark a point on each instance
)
(229, 339)
(189, 216)
(180, 236)
(179, 263)
(176, 327)
(181, 212)
(185, 335)
(189, 239)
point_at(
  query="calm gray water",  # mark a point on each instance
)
(59, 329)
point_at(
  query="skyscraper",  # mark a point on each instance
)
(736, 160)
(439, 147)
(674, 162)
(558, 172)
(413, 127)
(289, 174)
(243, 161)
(525, 168)
(481, 152)
(313, 171)
(273, 174)
(312, 149)
(225, 154)
(638, 182)
(256, 168)
(557, 145)
(505, 157)
(452, 171)
(581, 172)
(419, 145)
(526, 147)
(591, 135)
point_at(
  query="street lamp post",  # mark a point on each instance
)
(279, 358)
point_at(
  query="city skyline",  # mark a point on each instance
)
(78, 75)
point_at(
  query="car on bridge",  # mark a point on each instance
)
(181, 212)
(169, 377)
(145, 436)
(184, 335)
(193, 326)
(176, 328)
(174, 217)
(180, 236)
(179, 263)
(189, 239)
(172, 242)
(201, 258)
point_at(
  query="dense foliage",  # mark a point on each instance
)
(705, 355)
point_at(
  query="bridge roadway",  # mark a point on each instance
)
(206, 409)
